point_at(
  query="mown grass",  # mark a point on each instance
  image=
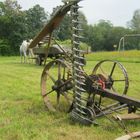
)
(23, 115)
(123, 56)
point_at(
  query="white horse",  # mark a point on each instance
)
(24, 49)
(30, 52)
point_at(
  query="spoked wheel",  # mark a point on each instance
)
(56, 86)
(111, 76)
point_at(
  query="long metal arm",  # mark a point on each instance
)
(53, 23)
(120, 98)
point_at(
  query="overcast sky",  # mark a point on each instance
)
(119, 12)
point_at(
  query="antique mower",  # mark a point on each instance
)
(66, 86)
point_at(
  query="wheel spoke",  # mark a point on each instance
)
(113, 89)
(103, 71)
(46, 94)
(58, 99)
(64, 71)
(59, 71)
(111, 73)
(67, 98)
(50, 77)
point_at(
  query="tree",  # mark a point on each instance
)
(134, 25)
(12, 24)
(114, 37)
(10, 7)
(17, 25)
(4, 47)
(35, 20)
(100, 35)
(88, 34)
(64, 31)
(135, 22)
(103, 36)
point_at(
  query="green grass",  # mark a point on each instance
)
(123, 56)
(23, 115)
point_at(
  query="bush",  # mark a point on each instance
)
(83, 46)
(4, 48)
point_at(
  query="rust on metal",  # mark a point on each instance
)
(53, 23)
(61, 77)
(60, 84)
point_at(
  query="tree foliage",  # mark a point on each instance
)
(63, 32)
(17, 25)
(35, 20)
(135, 22)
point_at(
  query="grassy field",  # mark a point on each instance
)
(23, 115)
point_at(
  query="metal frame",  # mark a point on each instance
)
(122, 40)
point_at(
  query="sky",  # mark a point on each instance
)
(119, 12)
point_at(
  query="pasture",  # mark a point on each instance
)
(23, 115)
